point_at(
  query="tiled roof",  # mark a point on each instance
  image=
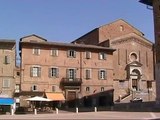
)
(7, 41)
(69, 45)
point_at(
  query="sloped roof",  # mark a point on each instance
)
(31, 36)
(124, 22)
(67, 45)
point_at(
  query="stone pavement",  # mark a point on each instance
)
(86, 116)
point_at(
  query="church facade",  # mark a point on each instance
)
(133, 60)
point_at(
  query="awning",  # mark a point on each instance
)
(55, 96)
(6, 101)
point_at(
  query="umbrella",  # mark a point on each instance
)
(37, 98)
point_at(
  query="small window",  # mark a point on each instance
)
(102, 56)
(133, 57)
(7, 60)
(102, 75)
(36, 51)
(121, 28)
(34, 88)
(88, 73)
(54, 72)
(18, 73)
(54, 52)
(87, 89)
(102, 89)
(35, 71)
(88, 54)
(6, 83)
(71, 53)
(17, 88)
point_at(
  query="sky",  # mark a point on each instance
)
(67, 20)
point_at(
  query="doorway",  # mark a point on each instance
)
(135, 84)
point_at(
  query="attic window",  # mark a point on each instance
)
(121, 28)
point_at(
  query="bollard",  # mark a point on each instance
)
(12, 111)
(35, 111)
(111, 108)
(56, 110)
(95, 109)
(76, 109)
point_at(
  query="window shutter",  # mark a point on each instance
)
(74, 54)
(50, 72)
(99, 74)
(68, 52)
(39, 72)
(67, 73)
(105, 75)
(100, 57)
(31, 71)
(57, 72)
(75, 73)
(105, 56)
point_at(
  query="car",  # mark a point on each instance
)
(136, 100)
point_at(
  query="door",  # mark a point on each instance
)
(71, 98)
(135, 84)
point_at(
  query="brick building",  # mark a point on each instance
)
(133, 59)
(7, 67)
(82, 73)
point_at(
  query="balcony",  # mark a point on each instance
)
(71, 81)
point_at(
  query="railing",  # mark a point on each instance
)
(71, 81)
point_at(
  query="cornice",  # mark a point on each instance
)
(130, 39)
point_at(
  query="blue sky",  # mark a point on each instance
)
(66, 20)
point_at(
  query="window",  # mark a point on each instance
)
(54, 72)
(71, 73)
(7, 60)
(88, 55)
(88, 73)
(35, 71)
(34, 88)
(102, 89)
(102, 74)
(102, 56)
(17, 88)
(36, 51)
(71, 53)
(53, 88)
(54, 52)
(87, 89)
(121, 28)
(6, 83)
(18, 73)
